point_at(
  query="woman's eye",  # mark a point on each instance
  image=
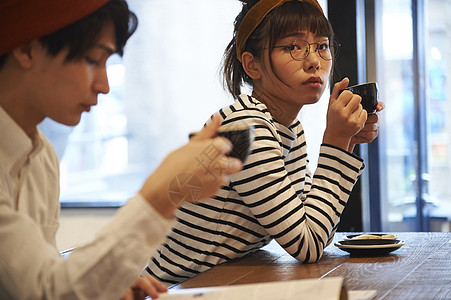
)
(292, 47)
(323, 47)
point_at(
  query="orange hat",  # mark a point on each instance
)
(22, 21)
(255, 15)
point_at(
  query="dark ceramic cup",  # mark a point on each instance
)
(369, 93)
(241, 138)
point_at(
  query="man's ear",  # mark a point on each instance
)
(23, 55)
(251, 65)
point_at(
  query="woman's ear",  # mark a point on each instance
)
(251, 65)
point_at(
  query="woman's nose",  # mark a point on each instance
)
(313, 61)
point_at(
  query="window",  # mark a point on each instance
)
(413, 73)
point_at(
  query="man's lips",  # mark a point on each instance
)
(87, 107)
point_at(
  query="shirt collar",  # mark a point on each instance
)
(290, 131)
(15, 145)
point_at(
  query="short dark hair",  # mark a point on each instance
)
(82, 35)
(289, 17)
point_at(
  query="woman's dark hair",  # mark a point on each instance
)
(82, 35)
(292, 16)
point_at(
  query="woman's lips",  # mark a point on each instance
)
(315, 82)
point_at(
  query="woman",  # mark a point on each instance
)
(284, 51)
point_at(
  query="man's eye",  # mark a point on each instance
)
(91, 61)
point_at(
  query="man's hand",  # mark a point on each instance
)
(193, 172)
(143, 287)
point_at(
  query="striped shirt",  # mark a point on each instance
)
(273, 197)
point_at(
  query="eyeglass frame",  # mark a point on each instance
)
(335, 45)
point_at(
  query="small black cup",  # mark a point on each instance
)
(241, 138)
(369, 93)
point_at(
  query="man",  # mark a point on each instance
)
(53, 64)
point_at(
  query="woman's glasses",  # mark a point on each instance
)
(300, 49)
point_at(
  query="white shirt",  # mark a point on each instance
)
(30, 264)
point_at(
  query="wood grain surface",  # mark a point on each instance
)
(421, 269)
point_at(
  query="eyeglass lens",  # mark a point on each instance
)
(302, 49)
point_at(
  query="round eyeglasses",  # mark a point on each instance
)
(300, 49)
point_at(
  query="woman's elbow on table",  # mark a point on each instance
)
(308, 255)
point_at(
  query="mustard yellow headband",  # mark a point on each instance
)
(254, 17)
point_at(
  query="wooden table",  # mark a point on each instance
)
(421, 269)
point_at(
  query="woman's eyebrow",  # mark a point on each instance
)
(295, 35)
(300, 35)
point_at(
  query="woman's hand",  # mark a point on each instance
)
(191, 173)
(345, 116)
(369, 131)
(143, 287)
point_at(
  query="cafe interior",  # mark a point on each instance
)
(167, 84)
